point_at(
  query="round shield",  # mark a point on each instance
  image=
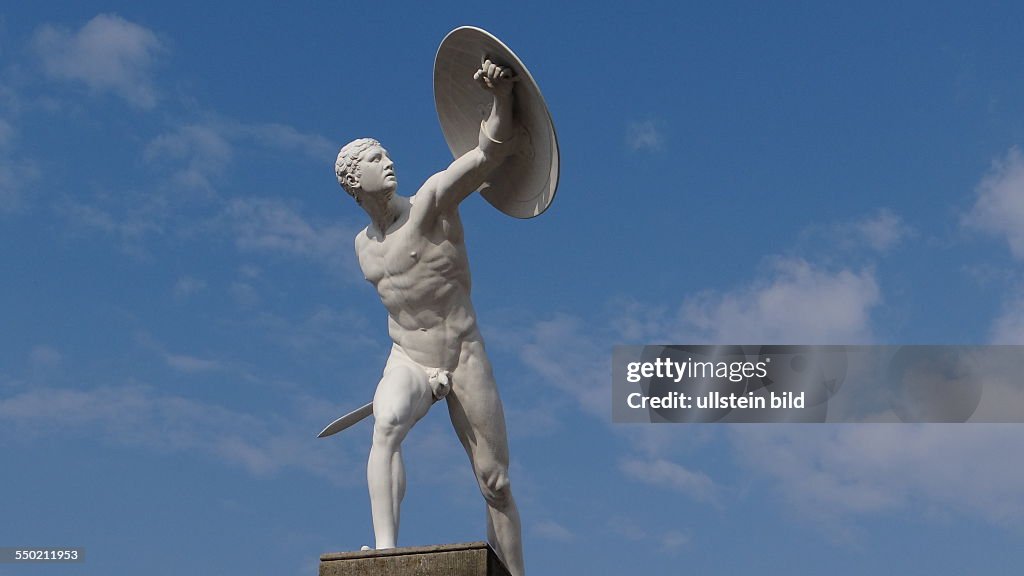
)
(525, 183)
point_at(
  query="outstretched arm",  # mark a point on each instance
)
(447, 189)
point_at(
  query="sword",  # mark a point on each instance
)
(347, 420)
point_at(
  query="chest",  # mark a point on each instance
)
(409, 250)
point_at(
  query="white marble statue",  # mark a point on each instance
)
(414, 254)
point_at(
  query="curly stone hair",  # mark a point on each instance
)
(348, 161)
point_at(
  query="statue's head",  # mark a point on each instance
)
(364, 167)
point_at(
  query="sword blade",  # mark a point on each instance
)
(347, 420)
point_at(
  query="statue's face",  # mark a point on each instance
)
(377, 172)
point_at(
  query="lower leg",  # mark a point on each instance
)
(397, 486)
(383, 475)
(504, 532)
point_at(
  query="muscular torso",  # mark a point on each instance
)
(421, 272)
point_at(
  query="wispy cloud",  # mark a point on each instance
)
(321, 330)
(45, 357)
(187, 286)
(883, 230)
(198, 154)
(273, 136)
(627, 529)
(793, 301)
(797, 302)
(845, 472)
(272, 226)
(832, 478)
(879, 233)
(15, 173)
(143, 417)
(45, 364)
(107, 54)
(673, 540)
(191, 162)
(7, 134)
(551, 530)
(15, 176)
(644, 136)
(186, 363)
(999, 205)
(1008, 327)
(562, 352)
(138, 219)
(665, 474)
(667, 541)
(193, 364)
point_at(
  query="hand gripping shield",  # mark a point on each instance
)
(525, 183)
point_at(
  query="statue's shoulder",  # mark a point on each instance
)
(427, 191)
(423, 205)
(361, 240)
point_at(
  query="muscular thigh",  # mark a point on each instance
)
(476, 412)
(403, 395)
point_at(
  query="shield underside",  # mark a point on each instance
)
(524, 185)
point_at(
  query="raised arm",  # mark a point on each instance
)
(446, 189)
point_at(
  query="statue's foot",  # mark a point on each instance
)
(365, 548)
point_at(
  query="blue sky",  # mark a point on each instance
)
(182, 311)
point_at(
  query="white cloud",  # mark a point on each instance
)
(882, 231)
(664, 442)
(7, 134)
(15, 173)
(141, 416)
(44, 357)
(269, 225)
(282, 137)
(202, 153)
(644, 136)
(794, 302)
(245, 294)
(567, 357)
(323, 330)
(187, 286)
(191, 161)
(184, 363)
(1008, 327)
(851, 471)
(668, 541)
(539, 418)
(141, 218)
(627, 529)
(797, 303)
(673, 540)
(107, 54)
(999, 207)
(659, 472)
(879, 232)
(551, 530)
(192, 364)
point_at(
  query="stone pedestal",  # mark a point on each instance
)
(471, 559)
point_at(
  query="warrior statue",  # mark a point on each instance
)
(413, 252)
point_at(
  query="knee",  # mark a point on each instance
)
(495, 486)
(388, 430)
